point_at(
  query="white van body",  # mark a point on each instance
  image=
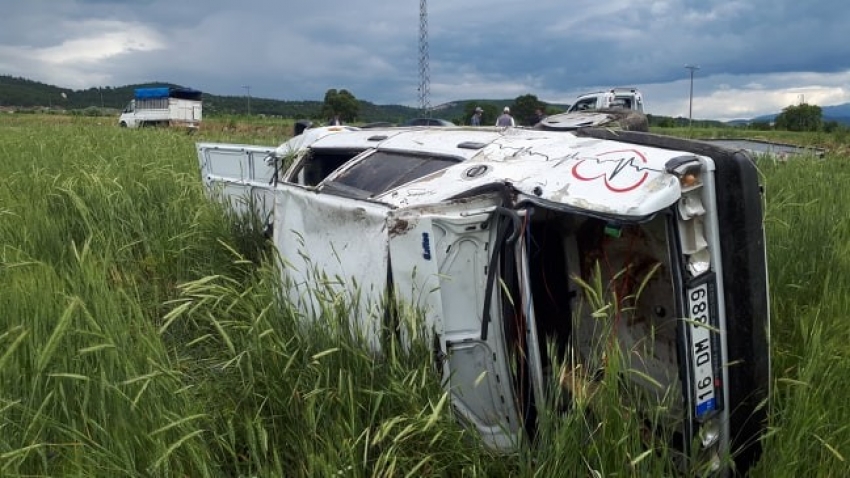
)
(490, 232)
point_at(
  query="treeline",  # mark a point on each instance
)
(681, 122)
(25, 94)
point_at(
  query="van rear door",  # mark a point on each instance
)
(243, 175)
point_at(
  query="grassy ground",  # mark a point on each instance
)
(141, 331)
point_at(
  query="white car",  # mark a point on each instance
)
(494, 234)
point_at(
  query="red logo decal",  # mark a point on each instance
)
(623, 173)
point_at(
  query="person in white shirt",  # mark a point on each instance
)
(505, 119)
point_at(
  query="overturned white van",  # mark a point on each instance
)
(494, 233)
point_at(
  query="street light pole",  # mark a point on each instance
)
(248, 91)
(691, 98)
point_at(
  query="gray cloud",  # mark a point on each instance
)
(478, 49)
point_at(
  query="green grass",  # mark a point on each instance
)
(142, 332)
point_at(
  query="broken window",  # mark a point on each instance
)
(626, 102)
(319, 163)
(586, 104)
(383, 171)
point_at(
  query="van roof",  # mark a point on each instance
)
(557, 168)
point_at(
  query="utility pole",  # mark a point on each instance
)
(424, 80)
(248, 92)
(691, 100)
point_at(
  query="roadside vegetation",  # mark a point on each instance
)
(143, 333)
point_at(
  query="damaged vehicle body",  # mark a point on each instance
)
(495, 236)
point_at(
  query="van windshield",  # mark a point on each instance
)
(383, 171)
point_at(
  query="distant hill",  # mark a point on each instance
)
(24, 93)
(762, 119)
(838, 113)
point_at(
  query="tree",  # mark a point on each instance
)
(803, 117)
(341, 102)
(760, 126)
(661, 121)
(524, 107)
(833, 126)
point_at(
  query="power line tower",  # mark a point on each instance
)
(424, 80)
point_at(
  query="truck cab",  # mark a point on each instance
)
(626, 98)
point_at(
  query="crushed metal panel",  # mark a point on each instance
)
(308, 137)
(442, 141)
(418, 242)
(604, 177)
(333, 249)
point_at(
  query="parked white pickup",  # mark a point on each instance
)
(628, 98)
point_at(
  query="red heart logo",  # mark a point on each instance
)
(621, 173)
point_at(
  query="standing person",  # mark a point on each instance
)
(536, 117)
(476, 117)
(505, 119)
(335, 121)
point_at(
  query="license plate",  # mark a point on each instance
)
(701, 307)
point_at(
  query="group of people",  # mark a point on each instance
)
(505, 119)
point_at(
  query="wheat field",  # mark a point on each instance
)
(142, 331)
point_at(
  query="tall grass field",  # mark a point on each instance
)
(143, 332)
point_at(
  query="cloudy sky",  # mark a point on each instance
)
(755, 56)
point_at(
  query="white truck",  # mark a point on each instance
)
(494, 235)
(163, 106)
(626, 98)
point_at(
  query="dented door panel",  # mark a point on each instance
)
(440, 257)
(334, 251)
